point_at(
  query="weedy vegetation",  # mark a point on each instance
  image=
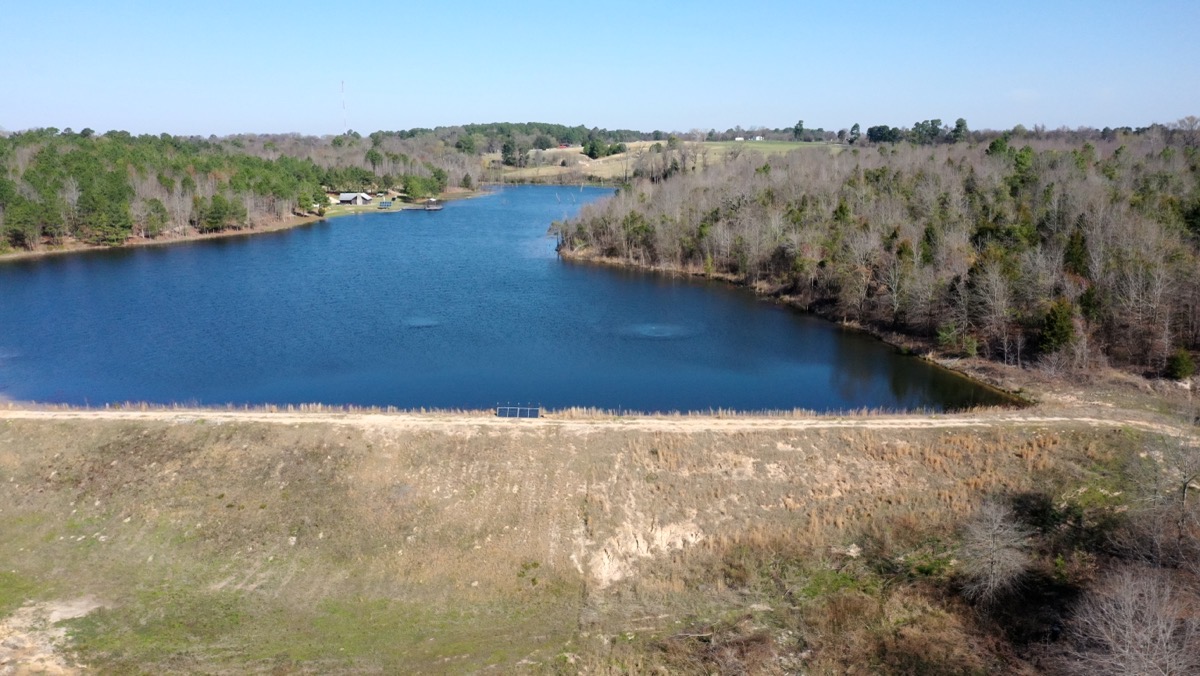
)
(298, 547)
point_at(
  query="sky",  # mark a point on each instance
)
(267, 66)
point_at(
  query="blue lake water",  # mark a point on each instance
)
(463, 308)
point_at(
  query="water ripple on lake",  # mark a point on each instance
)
(421, 322)
(655, 331)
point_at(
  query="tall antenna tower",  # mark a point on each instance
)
(344, 125)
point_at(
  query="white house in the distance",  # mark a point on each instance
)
(353, 198)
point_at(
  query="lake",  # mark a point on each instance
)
(463, 308)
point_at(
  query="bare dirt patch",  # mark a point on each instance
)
(31, 639)
(472, 423)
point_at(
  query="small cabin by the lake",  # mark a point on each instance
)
(354, 198)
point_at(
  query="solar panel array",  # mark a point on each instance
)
(518, 411)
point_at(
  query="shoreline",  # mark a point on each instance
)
(583, 419)
(276, 226)
(135, 243)
(912, 346)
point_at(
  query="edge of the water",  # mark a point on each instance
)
(1016, 398)
(275, 226)
(1019, 398)
(566, 413)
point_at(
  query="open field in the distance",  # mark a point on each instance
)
(327, 541)
(547, 166)
(766, 147)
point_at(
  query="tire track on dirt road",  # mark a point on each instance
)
(583, 425)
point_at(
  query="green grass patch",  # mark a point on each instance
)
(399, 633)
(932, 560)
(15, 591)
(825, 582)
(183, 629)
(158, 626)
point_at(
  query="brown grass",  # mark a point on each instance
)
(471, 545)
(580, 168)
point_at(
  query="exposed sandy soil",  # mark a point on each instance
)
(29, 637)
(443, 422)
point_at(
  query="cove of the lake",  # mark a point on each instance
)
(463, 308)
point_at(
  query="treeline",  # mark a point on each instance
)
(932, 131)
(381, 160)
(1071, 253)
(925, 132)
(104, 189)
(536, 135)
(798, 132)
(1186, 132)
(107, 188)
(516, 141)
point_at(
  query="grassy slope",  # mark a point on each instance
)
(580, 167)
(453, 550)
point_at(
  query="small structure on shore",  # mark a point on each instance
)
(518, 411)
(354, 198)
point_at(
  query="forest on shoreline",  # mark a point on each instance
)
(59, 186)
(1073, 250)
(105, 190)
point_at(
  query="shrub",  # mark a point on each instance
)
(947, 335)
(1137, 622)
(970, 346)
(994, 552)
(1058, 327)
(1180, 365)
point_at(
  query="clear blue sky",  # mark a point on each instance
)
(267, 66)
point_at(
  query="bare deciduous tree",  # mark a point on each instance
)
(994, 307)
(1190, 128)
(1164, 527)
(860, 247)
(893, 276)
(994, 552)
(1137, 622)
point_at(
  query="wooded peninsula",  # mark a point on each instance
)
(1075, 248)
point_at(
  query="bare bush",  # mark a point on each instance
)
(1137, 622)
(1163, 528)
(994, 552)
(1055, 364)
